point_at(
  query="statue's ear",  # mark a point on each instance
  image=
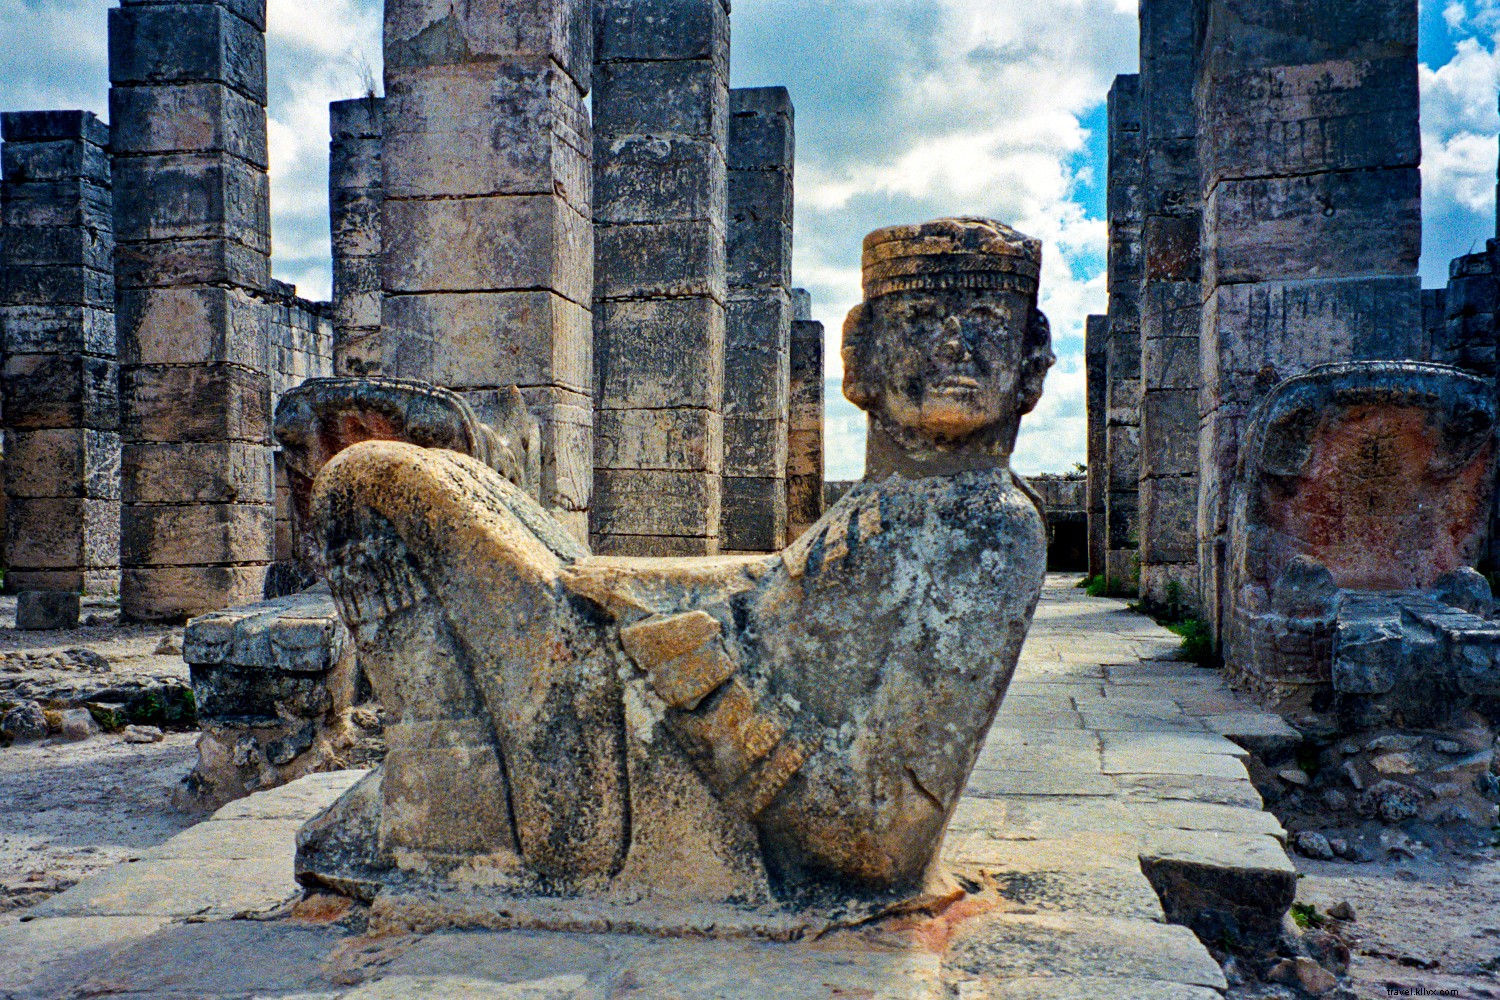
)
(1036, 359)
(856, 355)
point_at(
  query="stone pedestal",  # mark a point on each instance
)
(355, 196)
(57, 338)
(487, 232)
(1123, 351)
(661, 106)
(192, 220)
(1170, 300)
(1309, 151)
(804, 471)
(757, 347)
(1362, 501)
(274, 684)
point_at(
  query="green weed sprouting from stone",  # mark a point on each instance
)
(1097, 586)
(1306, 916)
(1197, 641)
(165, 708)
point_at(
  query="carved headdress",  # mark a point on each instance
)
(951, 254)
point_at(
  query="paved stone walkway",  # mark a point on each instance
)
(1106, 756)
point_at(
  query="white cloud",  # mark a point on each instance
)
(1460, 139)
(316, 53)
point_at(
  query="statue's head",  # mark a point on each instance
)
(949, 349)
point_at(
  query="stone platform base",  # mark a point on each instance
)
(214, 913)
(1107, 803)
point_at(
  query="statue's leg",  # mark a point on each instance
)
(508, 735)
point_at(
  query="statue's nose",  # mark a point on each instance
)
(953, 347)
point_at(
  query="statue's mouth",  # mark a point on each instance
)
(957, 384)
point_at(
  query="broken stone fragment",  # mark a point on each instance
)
(46, 610)
(142, 734)
(1313, 845)
(78, 724)
(24, 722)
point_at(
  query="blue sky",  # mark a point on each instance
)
(907, 110)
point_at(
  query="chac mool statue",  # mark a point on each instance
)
(785, 733)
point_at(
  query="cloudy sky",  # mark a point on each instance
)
(906, 110)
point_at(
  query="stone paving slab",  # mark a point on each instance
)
(1106, 757)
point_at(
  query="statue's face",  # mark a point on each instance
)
(950, 364)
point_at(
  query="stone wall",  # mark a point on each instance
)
(804, 479)
(57, 338)
(1169, 308)
(757, 346)
(661, 111)
(1309, 151)
(487, 234)
(192, 223)
(1123, 386)
(302, 347)
(355, 194)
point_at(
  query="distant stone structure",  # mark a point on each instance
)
(1265, 218)
(57, 339)
(661, 113)
(757, 346)
(1313, 221)
(1065, 501)
(725, 737)
(1122, 392)
(356, 187)
(487, 239)
(463, 242)
(1096, 375)
(1361, 503)
(192, 224)
(804, 470)
(1170, 305)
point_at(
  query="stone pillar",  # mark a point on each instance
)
(804, 470)
(61, 381)
(192, 221)
(487, 229)
(757, 344)
(355, 193)
(1123, 352)
(661, 112)
(1170, 303)
(1096, 373)
(1310, 153)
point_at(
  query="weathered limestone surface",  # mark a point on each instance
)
(355, 198)
(1363, 498)
(57, 342)
(804, 479)
(661, 128)
(487, 228)
(1096, 374)
(1310, 151)
(702, 733)
(1123, 353)
(757, 344)
(1103, 756)
(1170, 307)
(192, 222)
